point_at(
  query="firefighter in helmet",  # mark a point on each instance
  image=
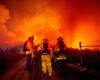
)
(61, 57)
(28, 49)
(46, 56)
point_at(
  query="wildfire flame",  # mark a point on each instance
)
(70, 20)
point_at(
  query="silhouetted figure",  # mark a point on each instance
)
(28, 49)
(46, 56)
(61, 57)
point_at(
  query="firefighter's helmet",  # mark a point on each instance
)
(32, 37)
(45, 39)
(60, 38)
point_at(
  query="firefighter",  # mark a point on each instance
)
(46, 56)
(28, 49)
(61, 57)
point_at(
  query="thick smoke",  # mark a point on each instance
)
(75, 20)
(5, 35)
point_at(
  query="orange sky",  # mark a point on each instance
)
(74, 20)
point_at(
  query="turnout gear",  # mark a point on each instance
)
(61, 57)
(28, 48)
(46, 56)
(60, 49)
(28, 45)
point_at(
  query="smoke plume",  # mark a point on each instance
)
(74, 20)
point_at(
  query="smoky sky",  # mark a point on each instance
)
(74, 20)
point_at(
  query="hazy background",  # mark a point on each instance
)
(75, 20)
